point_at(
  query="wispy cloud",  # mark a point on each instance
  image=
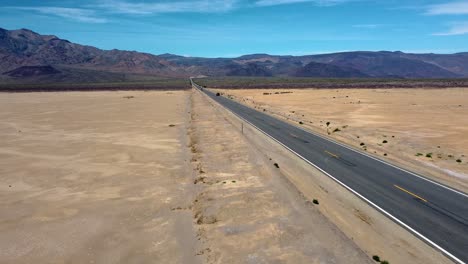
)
(453, 8)
(368, 26)
(460, 28)
(145, 8)
(286, 2)
(78, 14)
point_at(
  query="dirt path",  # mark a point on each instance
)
(245, 211)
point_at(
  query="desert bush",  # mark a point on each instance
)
(362, 144)
(276, 165)
(429, 155)
(376, 258)
(385, 141)
(459, 160)
(218, 94)
(336, 130)
(385, 262)
(207, 220)
(328, 123)
(300, 122)
(418, 154)
(315, 201)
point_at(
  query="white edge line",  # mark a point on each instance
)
(355, 192)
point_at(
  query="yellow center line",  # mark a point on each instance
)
(331, 154)
(410, 193)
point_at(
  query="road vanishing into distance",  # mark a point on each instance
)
(435, 213)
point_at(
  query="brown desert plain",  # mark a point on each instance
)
(91, 177)
(168, 177)
(424, 130)
(142, 177)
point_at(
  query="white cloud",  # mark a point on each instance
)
(368, 26)
(145, 8)
(455, 29)
(453, 8)
(78, 14)
(285, 2)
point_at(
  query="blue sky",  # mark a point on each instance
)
(227, 28)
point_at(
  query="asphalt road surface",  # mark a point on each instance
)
(434, 212)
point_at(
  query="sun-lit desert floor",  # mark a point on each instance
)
(167, 177)
(424, 129)
(142, 177)
(92, 176)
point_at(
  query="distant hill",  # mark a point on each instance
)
(390, 64)
(30, 71)
(322, 70)
(26, 55)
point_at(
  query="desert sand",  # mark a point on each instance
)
(421, 129)
(126, 177)
(94, 177)
(168, 177)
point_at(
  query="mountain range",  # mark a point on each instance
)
(28, 55)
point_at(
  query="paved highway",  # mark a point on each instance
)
(434, 212)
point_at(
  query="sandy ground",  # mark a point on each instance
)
(405, 126)
(246, 211)
(104, 177)
(95, 178)
(167, 177)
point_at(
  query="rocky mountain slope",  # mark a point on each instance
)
(25, 54)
